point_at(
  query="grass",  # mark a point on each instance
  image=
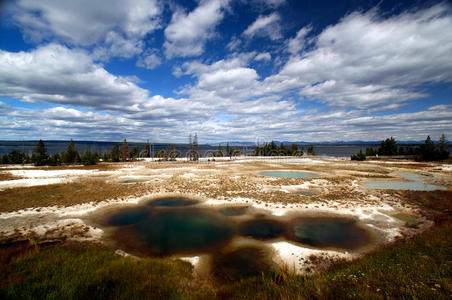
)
(8, 176)
(65, 194)
(81, 271)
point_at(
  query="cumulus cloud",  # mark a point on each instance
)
(366, 60)
(56, 74)
(187, 33)
(85, 22)
(150, 60)
(263, 57)
(265, 26)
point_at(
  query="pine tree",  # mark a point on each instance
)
(442, 146)
(40, 156)
(228, 150)
(311, 150)
(88, 158)
(388, 147)
(124, 152)
(293, 149)
(114, 153)
(55, 160)
(147, 149)
(71, 154)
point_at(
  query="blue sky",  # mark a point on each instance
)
(234, 70)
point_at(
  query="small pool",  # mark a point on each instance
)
(328, 232)
(401, 185)
(262, 229)
(415, 184)
(164, 232)
(289, 174)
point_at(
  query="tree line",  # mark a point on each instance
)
(71, 155)
(271, 149)
(429, 151)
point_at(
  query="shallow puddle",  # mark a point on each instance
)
(415, 184)
(289, 174)
(401, 185)
(328, 232)
(166, 232)
(263, 229)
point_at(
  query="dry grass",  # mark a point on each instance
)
(65, 194)
(4, 176)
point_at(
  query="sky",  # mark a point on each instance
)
(228, 70)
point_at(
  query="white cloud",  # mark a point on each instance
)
(295, 45)
(365, 60)
(265, 26)
(86, 22)
(56, 74)
(187, 33)
(263, 57)
(150, 60)
(234, 44)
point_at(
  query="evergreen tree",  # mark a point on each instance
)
(124, 152)
(293, 149)
(114, 153)
(427, 150)
(55, 160)
(106, 156)
(71, 154)
(134, 152)
(388, 147)
(283, 150)
(147, 150)
(88, 158)
(442, 146)
(360, 156)
(16, 157)
(40, 156)
(228, 150)
(311, 150)
(5, 159)
(370, 151)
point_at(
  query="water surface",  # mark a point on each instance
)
(165, 232)
(401, 185)
(262, 229)
(328, 232)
